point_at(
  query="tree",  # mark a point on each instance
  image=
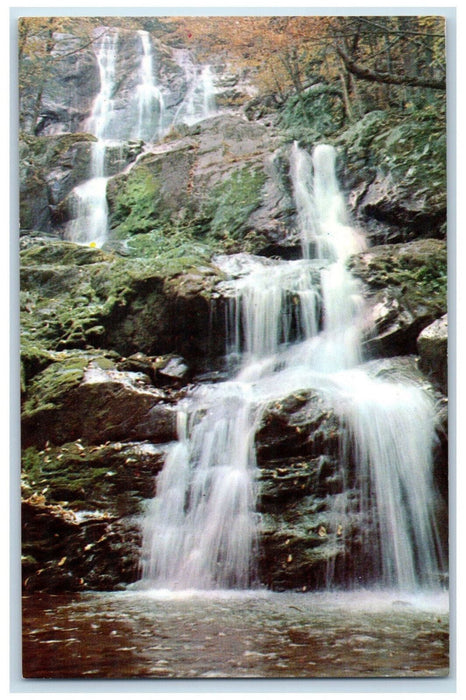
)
(38, 53)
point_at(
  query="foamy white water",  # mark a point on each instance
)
(90, 221)
(199, 102)
(149, 96)
(293, 326)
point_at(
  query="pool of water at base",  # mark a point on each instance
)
(225, 634)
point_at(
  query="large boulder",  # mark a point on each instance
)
(406, 288)
(218, 182)
(87, 297)
(78, 398)
(395, 172)
(432, 345)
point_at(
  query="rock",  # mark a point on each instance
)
(172, 370)
(300, 425)
(390, 202)
(64, 553)
(76, 297)
(305, 500)
(50, 166)
(405, 285)
(219, 182)
(432, 344)
(77, 399)
(395, 170)
(112, 477)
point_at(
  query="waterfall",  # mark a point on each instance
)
(89, 223)
(295, 325)
(141, 116)
(149, 97)
(199, 102)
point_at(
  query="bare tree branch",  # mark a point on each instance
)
(388, 78)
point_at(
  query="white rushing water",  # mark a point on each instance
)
(141, 115)
(89, 223)
(149, 96)
(294, 325)
(199, 102)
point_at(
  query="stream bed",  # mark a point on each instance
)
(227, 634)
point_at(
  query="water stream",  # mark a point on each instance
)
(199, 102)
(89, 223)
(143, 118)
(149, 97)
(240, 634)
(202, 527)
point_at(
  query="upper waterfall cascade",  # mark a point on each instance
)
(89, 223)
(144, 118)
(293, 326)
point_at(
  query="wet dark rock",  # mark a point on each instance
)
(65, 553)
(405, 286)
(71, 400)
(432, 345)
(300, 425)
(304, 496)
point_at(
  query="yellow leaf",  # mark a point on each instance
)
(62, 561)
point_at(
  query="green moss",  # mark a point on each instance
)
(61, 253)
(410, 146)
(50, 387)
(233, 201)
(135, 202)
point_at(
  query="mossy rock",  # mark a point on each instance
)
(84, 397)
(398, 161)
(61, 253)
(151, 193)
(121, 303)
(115, 477)
(406, 286)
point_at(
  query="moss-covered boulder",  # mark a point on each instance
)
(80, 399)
(395, 167)
(432, 345)
(112, 477)
(78, 297)
(406, 288)
(215, 183)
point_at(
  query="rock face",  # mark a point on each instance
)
(113, 338)
(432, 346)
(406, 289)
(87, 297)
(396, 175)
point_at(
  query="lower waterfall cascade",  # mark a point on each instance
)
(293, 326)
